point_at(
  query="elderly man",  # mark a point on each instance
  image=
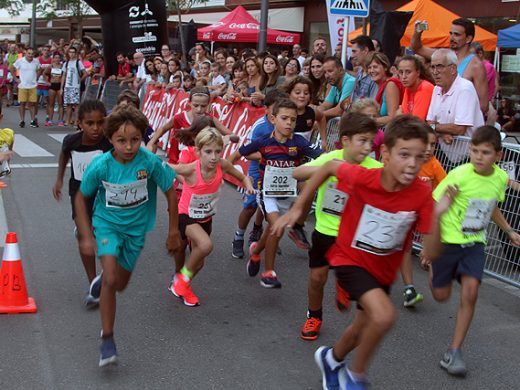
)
(365, 87)
(342, 85)
(469, 66)
(140, 75)
(297, 53)
(454, 108)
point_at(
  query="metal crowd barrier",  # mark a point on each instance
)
(110, 92)
(92, 90)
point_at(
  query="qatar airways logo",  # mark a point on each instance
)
(228, 36)
(251, 26)
(286, 39)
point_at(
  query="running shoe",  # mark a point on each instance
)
(332, 379)
(255, 235)
(411, 297)
(91, 302)
(270, 280)
(108, 352)
(453, 363)
(95, 286)
(182, 289)
(356, 384)
(48, 123)
(342, 298)
(34, 123)
(22, 124)
(311, 329)
(238, 249)
(61, 124)
(297, 234)
(253, 264)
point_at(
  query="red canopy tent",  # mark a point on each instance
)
(240, 26)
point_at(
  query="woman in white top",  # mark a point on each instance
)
(55, 73)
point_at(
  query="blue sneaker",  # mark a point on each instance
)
(108, 352)
(332, 379)
(95, 286)
(353, 384)
(253, 264)
(91, 302)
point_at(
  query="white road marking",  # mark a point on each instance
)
(57, 136)
(3, 221)
(24, 147)
(38, 165)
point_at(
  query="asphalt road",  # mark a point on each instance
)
(241, 337)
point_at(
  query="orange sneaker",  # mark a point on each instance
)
(311, 329)
(342, 298)
(182, 289)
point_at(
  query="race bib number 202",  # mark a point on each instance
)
(278, 182)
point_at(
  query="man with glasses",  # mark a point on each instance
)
(342, 86)
(166, 54)
(29, 69)
(140, 76)
(454, 108)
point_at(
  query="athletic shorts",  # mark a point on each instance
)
(185, 220)
(124, 247)
(357, 281)
(71, 96)
(42, 92)
(274, 205)
(27, 95)
(457, 260)
(250, 200)
(55, 86)
(321, 243)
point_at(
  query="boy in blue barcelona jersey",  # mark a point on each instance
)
(279, 153)
(124, 183)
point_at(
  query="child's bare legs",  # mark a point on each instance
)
(317, 279)
(201, 247)
(115, 279)
(407, 269)
(89, 262)
(180, 257)
(351, 336)
(268, 242)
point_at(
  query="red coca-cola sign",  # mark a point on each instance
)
(227, 36)
(285, 39)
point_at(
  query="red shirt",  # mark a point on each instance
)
(188, 155)
(180, 121)
(417, 102)
(388, 219)
(123, 69)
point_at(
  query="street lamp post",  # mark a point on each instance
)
(262, 39)
(33, 25)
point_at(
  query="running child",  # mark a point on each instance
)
(280, 153)
(202, 181)
(480, 185)
(357, 132)
(124, 184)
(198, 105)
(80, 149)
(384, 205)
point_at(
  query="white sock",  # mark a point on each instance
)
(356, 377)
(333, 363)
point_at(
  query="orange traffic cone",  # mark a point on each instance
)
(13, 293)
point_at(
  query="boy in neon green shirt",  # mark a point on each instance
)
(480, 185)
(357, 132)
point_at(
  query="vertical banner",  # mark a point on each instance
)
(130, 26)
(336, 27)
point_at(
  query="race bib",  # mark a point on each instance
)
(129, 195)
(477, 215)
(278, 182)
(80, 162)
(380, 232)
(510, 168)
(202, 206)
(334, 200)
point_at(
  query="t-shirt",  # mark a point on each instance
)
(432, 172)
(417, 102)
(467, 219)
(28, 72)
(305, 123)
(81, 156)
(126, 194)
(123, 69)
(336, 96)
(378, 226)
(261, 128)
(330, 202)
(73, 70)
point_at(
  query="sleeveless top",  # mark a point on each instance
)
(464, 64)
(198, 200)
(305, 123)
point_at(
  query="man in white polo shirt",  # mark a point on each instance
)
(454, 108)
(29, 68)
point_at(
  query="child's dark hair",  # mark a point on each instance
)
(289, 86)
(284, 103)
(199, 91)
(90, 105)
(130, 97)
(487, 134)
(273, 96)
(405, 127)
(352, 123)
(187, 136)
(124, 115)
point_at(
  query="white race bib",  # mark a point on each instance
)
(477, 215)
(334, 200)
(126, 195)
(380, 232)
(80, 162)
(278, 182)
(510, 168)
(202, 206)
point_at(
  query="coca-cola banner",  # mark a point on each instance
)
(130, 26)
(160, 105)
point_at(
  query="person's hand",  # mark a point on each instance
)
(447, 138)
(425, 263)
(152, 146)
(286, 220)
(447, 199)
(173, 241)
(56, 190)
(515, 238)
(416, 28)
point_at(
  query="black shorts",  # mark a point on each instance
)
(321, 243)
(185, 220)
(55, 86)
(356, 281)
(90, 205)
(458, 260)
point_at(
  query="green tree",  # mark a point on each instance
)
(14, 7)
(77, 9)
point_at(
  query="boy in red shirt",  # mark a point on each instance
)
(384, 207)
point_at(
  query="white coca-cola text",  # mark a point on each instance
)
(286, 39)
(252, 26)
(227, 36)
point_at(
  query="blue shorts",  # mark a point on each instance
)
(250, 200)
(124, 247)
(457, 260)
(42, 92)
